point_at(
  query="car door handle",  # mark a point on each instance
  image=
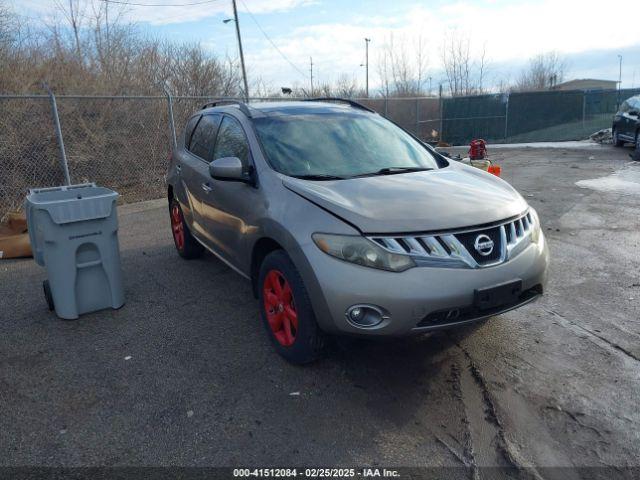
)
(206, 187)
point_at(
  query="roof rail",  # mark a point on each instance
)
(353, 103)
(229, 101)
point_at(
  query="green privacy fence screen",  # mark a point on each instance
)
(530, 116)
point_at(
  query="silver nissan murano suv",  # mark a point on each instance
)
(346, 224)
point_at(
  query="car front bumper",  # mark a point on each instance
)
(420, 299)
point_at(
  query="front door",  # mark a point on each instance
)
(227, 206)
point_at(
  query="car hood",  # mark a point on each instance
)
(452, 197)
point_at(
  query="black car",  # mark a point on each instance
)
(626, 124)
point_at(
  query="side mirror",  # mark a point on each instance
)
(229, 169)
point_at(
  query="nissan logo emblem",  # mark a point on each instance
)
(483, 245)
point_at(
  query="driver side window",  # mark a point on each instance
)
(232, 141)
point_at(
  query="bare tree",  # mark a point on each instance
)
(482, 69)
(384, 69)
(465, 72)
(543, 72)
(74, 15)
(456, 61)
(347, 87)
(402, 69)
(87, 51)
(8, 28)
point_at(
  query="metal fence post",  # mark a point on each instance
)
(56, 122)
(441, 113)
(172, 126)
(584, 109)
(417, 117)
(506, 118)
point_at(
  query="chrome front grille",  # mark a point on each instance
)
(457, 249)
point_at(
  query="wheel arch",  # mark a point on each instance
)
(263, 247)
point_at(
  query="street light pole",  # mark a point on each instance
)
(366, 41)
(619, 79)
(620, 73)
(244, 71)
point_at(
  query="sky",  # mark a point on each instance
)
(589, 34)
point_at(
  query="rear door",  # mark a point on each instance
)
(634, 118)
(195, 170)
(626, 120)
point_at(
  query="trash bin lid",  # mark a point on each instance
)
(73, 203)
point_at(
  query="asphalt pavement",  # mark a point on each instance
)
(184, 374)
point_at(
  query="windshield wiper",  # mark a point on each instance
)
(394, 170)
(319, 177)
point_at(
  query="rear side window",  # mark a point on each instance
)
(188, 130)
(204, 137)
(231, 141)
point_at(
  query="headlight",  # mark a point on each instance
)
(359, 250)
(536, 228)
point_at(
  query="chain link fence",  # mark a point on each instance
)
(121, 143)
(28, 150)
(124, 142)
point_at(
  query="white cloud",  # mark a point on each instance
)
(511, 33)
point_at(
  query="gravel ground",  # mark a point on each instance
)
(184, 374)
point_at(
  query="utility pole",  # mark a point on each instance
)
(366, 41)
(311, 70)
(244, 72)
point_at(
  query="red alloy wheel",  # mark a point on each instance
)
(280, 308)
(177, 227)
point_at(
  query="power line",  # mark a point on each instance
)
(133, 4)
(271, 41)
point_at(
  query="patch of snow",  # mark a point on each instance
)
(602, 136)
(572, 144)
(625, 181)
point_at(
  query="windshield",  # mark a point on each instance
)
(339, 145)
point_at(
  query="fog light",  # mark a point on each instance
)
(356, 314)
(365, 316)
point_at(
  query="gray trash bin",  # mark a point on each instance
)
(74, 234)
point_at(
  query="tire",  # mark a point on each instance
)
(47, 295)
(286, 311)
(636, 150)
(616, 141)
(187, 246)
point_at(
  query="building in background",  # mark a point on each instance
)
(587, 84)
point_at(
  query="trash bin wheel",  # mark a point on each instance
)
(47, 295)
(187, 246)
